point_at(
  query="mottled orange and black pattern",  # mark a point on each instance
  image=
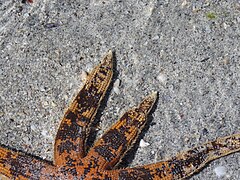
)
(69, 145)
(71, 161)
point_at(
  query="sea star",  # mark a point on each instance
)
(71, 161)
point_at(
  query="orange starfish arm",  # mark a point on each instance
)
(113, 145)
(184, 164)
(71, 135)
(16, 165)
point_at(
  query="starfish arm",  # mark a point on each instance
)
(71, 135)
(184, 164)
(112, 146)
(16, 165)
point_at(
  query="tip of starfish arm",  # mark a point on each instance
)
(154, 95)
(148, 102)
(107, 59)
(110, 52)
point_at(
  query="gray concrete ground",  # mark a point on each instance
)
(188, 51)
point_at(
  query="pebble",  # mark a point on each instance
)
(220, 171)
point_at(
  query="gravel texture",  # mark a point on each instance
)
(187, 51)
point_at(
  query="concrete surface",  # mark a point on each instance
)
(188, 51)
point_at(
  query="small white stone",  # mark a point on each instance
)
(162, 54)
(33, 127)
(116, 86)
(65, 97)
(225, 26)
(53, 104)
(89, 67)
(45, 103)
(44, 133)
(26, 140)
(220, 171)
(42, 89)
(143, 143)
(83, 76)
(162, 78)
(155, 37)
(184, 3)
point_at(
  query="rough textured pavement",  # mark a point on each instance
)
(187, 51)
